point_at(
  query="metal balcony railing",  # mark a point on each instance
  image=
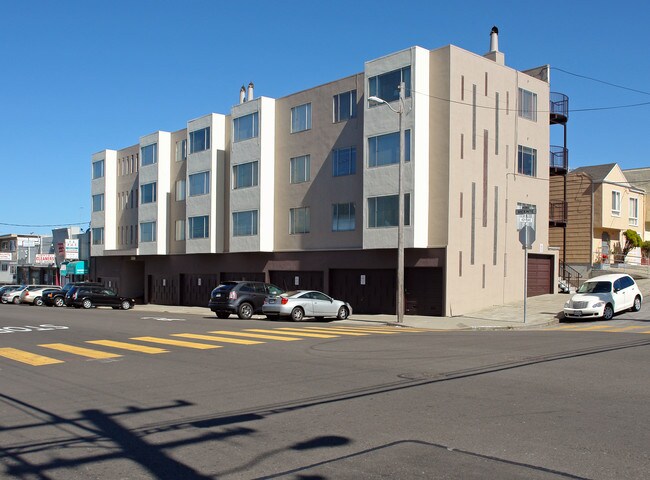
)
(558, 213)
(558, 107)
(559, 159)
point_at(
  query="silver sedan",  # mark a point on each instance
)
(305, 303)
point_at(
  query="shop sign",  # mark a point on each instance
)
(45, 258)
(71, 249)
(5, 256)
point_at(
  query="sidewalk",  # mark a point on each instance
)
(541, 311)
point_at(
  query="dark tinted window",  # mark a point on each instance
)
(626, 282)
(259, 288)
(273, 290)
(247, 287)
(225, 287)
(320, 296)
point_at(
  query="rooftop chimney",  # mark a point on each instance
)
(242, 94)
(494, 53)
(250, 91)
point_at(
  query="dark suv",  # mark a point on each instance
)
(241, 297)
(92, 296)
(56, 296)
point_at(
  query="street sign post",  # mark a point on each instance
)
(526, 227)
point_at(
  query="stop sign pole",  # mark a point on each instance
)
(526, 218)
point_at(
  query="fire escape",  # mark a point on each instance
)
(559, 165)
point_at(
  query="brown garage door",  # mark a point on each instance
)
(367, 290)
(424, 291)
(540, 274)
(297, 280)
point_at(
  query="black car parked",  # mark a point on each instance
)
(56, 296)
(96, 296)
(243, 298)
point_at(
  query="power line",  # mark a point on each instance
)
(37, 226)
(600, 81)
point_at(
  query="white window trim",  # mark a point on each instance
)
(616, 212)
(634, 220)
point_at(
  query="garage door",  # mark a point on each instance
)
(540, 274)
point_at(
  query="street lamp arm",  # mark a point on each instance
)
(378, 101)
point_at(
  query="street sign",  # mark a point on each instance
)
(526, 210)
(527, 237)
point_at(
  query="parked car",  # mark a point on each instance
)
(8, 288)
(13, 296)
(603, 296)
(33, 294)
(305, 303)
(56, 296)
(88, 296)
(243, 298)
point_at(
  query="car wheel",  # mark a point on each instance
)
(58, 301)
(86, 303)
(245, 311)
(636, 306)
(297, 314)
(342, 313)
(16, 300)
(608, 313)
(223, 315)
(126, 305)
(38, 301)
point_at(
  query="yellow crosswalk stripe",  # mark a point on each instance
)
(382, 328)
(565, 327)
(27, 357)
(176, 343)
(627, 329)
(369, 330)
(84, 352)
(302, 334)
(595, 327)
(326, 330)
(648, 331)
(239, 341)
(128, 346)
(256, 335)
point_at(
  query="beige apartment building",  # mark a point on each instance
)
(302, 191)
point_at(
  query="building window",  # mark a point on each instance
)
(382, 211)
(199, 184)
(386, 85)
(199, 227)
(245, 175)
(299, 220)
(98, 203)
(98, 236)
(180, 230)
(384, 149)
(300, 169)
(345, 106)
(148, 193)
(634, 212)
(181, 150)
(527, 105)
(180, 190)
(616, 203)
(344, 161)
(246, 127)
(5, 267)
(301, 118)
(343, 217)
(98, 169)
(244, 224)
(527, 161)
(148, 232)
(150, 154)
(200, 140)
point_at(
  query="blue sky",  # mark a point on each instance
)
(81, 76)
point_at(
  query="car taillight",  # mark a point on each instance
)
(74, 296)
(284, 300)
(232, 295)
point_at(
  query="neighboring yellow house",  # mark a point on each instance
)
(601, 205)
(640, 177)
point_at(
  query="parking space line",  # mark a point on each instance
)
(128, 346)
(255, 335)
(239, 341)
(386, 331)
(595, 327)
(84, 352)
(176, 343)
(27, 357)
(326, 330)
(302, 334)
(627, 329)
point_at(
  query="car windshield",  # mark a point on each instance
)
(595, 287)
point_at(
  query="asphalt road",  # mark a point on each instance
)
(570, 402)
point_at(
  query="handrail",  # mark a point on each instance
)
(570, 275)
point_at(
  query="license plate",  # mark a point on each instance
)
(578, 313)
(271, 300)
(218, 295)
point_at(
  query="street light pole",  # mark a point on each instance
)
(399, 295)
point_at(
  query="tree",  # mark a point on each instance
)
(632, 240)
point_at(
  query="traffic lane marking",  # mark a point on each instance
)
(325, 330)
(277, 332)
(177, 343)
(128, 346)
(239, 341)
(84, 352)
(255, 335)
(367, 329)
(27, 357)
